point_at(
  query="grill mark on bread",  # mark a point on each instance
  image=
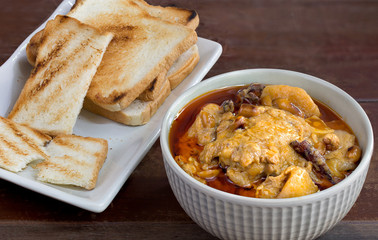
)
(19, 147)
(48, 76)
(87, 64)
(60, 46)
(3, 157)
(70, 144)
(53, 54)
(41, 135)
(28, 141)
(65, 171)
(45, 34)
(13, 146)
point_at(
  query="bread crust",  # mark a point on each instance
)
(176, 76)
(185, 17)
(32, 47)
(140, 116)
(153, 91)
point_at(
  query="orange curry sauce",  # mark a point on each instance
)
(181, 144)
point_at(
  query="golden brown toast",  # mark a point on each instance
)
(137, 113)
(20, 145)
(143, 47)
(179, 70)
(67, 60)
(73, 160)
(185, 17)
(64, 159)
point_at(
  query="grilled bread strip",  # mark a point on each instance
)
(67, 60)
(20, 145)
(74, 160)
(137, 113)
(143, 47)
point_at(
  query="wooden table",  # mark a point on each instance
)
(331, 39)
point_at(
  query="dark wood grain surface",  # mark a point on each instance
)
(336, 40)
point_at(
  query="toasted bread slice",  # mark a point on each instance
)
(179, 70)
(20, 145)
(143, 47)
(74, 160)
(186, 17)
(67, 60)
(137, 113)
(183, 66)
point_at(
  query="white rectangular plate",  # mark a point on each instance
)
(127, 145)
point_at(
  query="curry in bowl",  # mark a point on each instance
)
(260, 141)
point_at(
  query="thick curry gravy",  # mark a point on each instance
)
(182, 145)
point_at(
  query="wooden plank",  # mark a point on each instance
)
(152, 230)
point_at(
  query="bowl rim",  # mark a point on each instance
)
(321, 195)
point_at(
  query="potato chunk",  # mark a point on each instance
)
(296, 96)
(293, 182)
(298, 184)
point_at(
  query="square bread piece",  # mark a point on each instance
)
(20, 145)
(73, 160)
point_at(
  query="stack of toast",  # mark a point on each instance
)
(152, 51)
(117, 58)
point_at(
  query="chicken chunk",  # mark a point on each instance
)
(204, 127)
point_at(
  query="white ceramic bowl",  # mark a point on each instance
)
(229, 216)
